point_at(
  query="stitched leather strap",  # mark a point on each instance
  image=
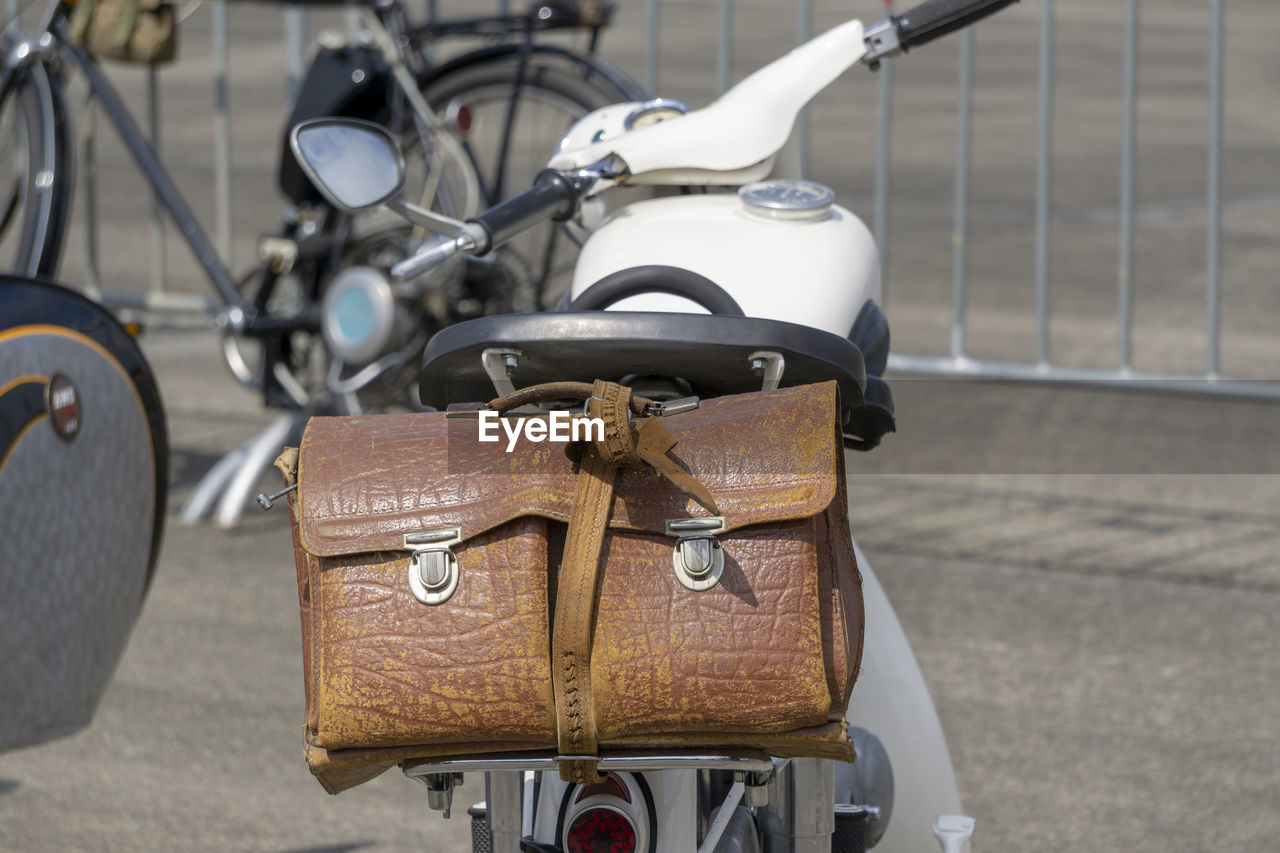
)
(579, 578)
(575, 615)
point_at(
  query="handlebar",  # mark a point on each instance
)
(930, 20)
(936, 18)
(554, 196)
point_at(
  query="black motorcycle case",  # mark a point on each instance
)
(83, 477)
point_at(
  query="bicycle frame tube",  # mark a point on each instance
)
(161, 182)
(500, 179)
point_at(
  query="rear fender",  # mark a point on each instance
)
(891, 700)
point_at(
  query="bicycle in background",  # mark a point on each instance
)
(472, 127)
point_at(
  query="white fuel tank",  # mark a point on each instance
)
(782, 249)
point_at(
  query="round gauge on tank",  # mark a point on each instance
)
(652, 112)
(788, 199)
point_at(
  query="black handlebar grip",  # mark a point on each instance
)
(552, 196)
(936, 18)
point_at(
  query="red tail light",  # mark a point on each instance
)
(601, 830)
(459, 118)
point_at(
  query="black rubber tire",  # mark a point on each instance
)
(34, 192)
(549, 251)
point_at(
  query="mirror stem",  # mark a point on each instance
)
(424, 218)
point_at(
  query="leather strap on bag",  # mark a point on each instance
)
(613, 404)
(575, 617)
(576, 593)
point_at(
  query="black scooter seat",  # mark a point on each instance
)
(708, 351)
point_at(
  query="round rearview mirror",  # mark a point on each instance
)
(354, 164)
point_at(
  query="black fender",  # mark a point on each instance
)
(84, 469)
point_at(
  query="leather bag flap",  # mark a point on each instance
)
(366, 481)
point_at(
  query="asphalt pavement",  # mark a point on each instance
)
(1090, 579)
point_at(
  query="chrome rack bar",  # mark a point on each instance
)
(619, 763)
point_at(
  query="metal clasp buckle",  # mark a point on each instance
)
(433, 567)
(698, 557)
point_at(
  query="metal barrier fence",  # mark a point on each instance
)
(957, 362)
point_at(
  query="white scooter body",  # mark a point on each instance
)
(818, 272)
(814, 272)
(828, 262)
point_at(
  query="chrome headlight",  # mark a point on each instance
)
(358, 317)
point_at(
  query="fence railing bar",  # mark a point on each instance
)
(158, 253)
(1127, 184)
(295, 52)
(651, 15)
(960, 233)
(884, 171)
(222, 131)
(1213, 282)
(804, 32)
(1044, 181)
(724, 46)
(89, 164)
(966, 368)
(884, 165)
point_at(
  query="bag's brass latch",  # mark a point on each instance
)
(698, 557)
(433, 567)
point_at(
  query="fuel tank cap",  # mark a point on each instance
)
(788, 199)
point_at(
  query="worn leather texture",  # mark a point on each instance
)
(765, 660)
(366, 481)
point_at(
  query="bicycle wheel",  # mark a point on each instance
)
(35, 179)
(508, 150)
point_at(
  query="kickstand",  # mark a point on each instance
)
(232, 482)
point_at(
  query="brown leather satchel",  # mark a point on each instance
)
(685, 580)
